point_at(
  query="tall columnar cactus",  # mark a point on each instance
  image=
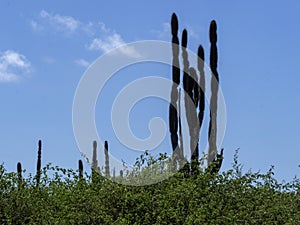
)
(39, 163)
(181, 156)
(80, 169)
(195, 129)
(201, 84)
(201, 93)
(107, 173)
(191, 97)
(173, 108)
(19, 172)
(212, 132)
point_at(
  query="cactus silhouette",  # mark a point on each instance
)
(94, 159)
(180, 155)
(191, 100)
(173, 108)
(80, 169)
(19, 171)
(39, 163)
(202, 85)
(107, 173)
(194, 128)
(94, 162)
(212, 132)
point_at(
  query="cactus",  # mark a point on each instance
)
(94, 162)
(191, 97)
(181, 156)
(94, 159)
(212, 132)
(80, 170)
(173, 108)
(107, 173)
(38, 167)
(201, 84)
(199, 90)
(195, 128)
(19, 171)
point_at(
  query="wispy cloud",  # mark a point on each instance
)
(13, 66)
(108, 40)
(82, 62)
(101, 38)
(66, 23)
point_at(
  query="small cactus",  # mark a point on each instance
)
(19, 171)
(94, 160)
(39, 163)
(107, 173)
(80, 169)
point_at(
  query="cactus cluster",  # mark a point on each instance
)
(95, 161)
(194, 103)
(194, 97)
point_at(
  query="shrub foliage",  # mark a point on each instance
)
(230, 197)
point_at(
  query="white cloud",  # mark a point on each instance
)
(111, 41)
(12, 66)
(107, 43)
(65, 23)
(60, 23)
(82, 62)
(103, 38)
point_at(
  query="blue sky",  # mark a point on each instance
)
(46, 47)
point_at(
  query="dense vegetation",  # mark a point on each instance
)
(230, 197)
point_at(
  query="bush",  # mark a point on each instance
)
(227, 198)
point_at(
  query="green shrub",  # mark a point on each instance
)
(231, 197)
